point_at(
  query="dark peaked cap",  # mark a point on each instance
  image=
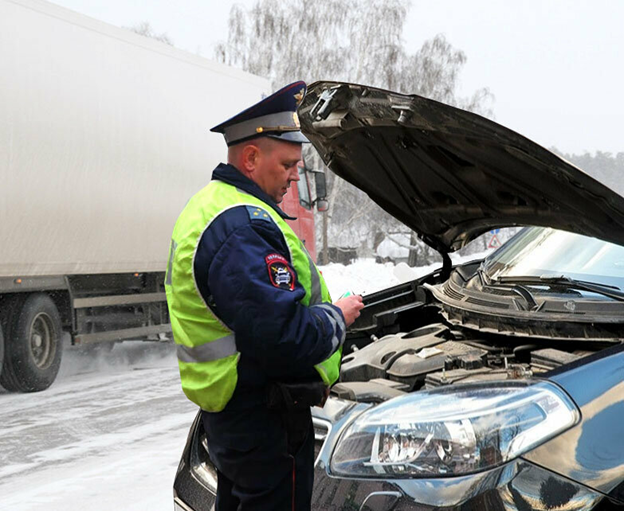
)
(275, 116)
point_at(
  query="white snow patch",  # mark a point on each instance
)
(138, 477)
(365, 276)
(107, 435)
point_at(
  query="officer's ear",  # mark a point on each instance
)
(250, 156)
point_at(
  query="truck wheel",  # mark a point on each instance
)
(33, 347)
(8, 308)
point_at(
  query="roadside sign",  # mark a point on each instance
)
(494, 242)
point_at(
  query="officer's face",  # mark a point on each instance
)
(276, 167)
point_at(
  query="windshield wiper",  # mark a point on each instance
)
(483, 276)
(487, 281)
(563, 281)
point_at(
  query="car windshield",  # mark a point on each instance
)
(539, 251)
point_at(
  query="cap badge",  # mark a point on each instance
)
(296, 120)
(299, 96)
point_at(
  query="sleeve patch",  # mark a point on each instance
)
(256, 213)
(280, 273)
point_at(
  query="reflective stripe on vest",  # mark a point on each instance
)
(316, 296)
(213, 350)
(206, 347)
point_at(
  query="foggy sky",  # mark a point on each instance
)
(553, 66)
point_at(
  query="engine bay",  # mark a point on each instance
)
(383, 359)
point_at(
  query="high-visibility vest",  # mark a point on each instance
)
(206, 347)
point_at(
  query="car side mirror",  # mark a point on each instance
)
(322, 205)
(321, 186)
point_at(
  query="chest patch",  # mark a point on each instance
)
(280, 273)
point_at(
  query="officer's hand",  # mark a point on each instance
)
(350, 307)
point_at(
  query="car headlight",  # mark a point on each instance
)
(453, 430)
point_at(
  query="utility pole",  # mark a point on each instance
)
(325, 247)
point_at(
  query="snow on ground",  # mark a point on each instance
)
(109, 432)
(362, 277)
(365, 276)
(107, 435)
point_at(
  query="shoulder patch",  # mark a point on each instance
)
(256, 213)
(280, 273)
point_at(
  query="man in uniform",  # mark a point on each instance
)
(258, 339)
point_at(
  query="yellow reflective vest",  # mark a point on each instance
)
(206, 347)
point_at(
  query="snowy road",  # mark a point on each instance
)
(106, 436)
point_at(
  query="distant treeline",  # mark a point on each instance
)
(605, 167)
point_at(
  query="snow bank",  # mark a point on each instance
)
(362, 277)
(365, 276)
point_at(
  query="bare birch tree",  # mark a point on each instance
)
(356, 41)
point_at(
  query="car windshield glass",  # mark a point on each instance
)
(538, 251)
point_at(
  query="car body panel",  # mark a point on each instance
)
(593, 450)
(449, 174)
(510, 488)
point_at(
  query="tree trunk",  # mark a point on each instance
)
(412, 258)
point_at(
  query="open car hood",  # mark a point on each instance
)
(448, 174)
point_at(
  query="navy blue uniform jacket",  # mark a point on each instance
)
(279, 338)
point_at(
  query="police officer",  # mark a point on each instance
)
(258, 339)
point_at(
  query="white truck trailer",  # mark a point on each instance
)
(104, 136)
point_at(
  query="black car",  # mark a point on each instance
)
(497, 384)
